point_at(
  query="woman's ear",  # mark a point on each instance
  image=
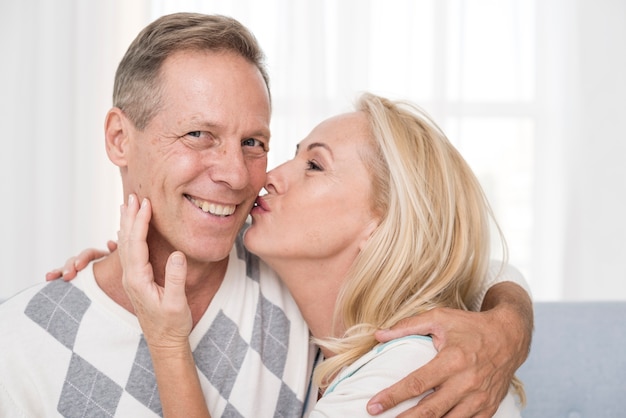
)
(368, 231)
(117, 135)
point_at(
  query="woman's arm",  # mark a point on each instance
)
(76, 263)
(177, 379)
(163, 313)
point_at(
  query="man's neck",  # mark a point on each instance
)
(202, 282)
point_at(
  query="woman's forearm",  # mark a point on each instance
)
(179, 386)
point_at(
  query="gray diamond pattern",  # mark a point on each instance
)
(58, 308)
(142, 381)
(231, 412)
(87, 392)
(252, 261)
(287, 403)
(220, 353)
(271, 328)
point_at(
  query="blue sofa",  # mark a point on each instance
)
(577, 364)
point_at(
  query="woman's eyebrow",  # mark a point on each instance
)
(314, 145)
(319, 145)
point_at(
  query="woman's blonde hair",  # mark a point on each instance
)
(431, 248)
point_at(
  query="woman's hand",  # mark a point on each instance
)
(77, 263)
(163, 312)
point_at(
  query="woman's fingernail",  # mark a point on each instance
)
(177, 259)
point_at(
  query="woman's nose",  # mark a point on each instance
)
(276, 180)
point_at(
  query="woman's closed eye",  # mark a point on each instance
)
(313, 166)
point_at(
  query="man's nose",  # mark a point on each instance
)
(229, 166)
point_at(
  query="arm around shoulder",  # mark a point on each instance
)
(510, 306)
(498, 273)
(481, 347)
(505, 299)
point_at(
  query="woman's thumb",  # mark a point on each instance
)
(176, 275)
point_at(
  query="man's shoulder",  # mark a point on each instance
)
(21, 317)
(18, 300)
(40, 303)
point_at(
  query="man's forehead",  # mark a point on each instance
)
(214, 96)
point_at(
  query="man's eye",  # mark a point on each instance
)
(253, 142)
(198, 140)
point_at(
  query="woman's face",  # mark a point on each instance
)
(318, 205)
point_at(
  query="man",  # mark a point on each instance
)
(190, 131)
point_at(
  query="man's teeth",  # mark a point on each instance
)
(213, 209)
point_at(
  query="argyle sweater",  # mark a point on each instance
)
(67, 349)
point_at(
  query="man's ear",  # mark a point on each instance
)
(117, 130)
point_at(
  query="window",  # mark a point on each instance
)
(468, 63)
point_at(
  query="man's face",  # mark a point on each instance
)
(202, 159)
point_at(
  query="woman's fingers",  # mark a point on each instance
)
(132, 245)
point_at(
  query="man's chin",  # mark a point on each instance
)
(212, 251)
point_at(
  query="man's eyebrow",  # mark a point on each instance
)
(265, 134)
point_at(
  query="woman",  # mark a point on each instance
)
(377, 218)
(342, 223)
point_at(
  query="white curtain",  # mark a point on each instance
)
(530, 92)
(59, 191)
(580, 187)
